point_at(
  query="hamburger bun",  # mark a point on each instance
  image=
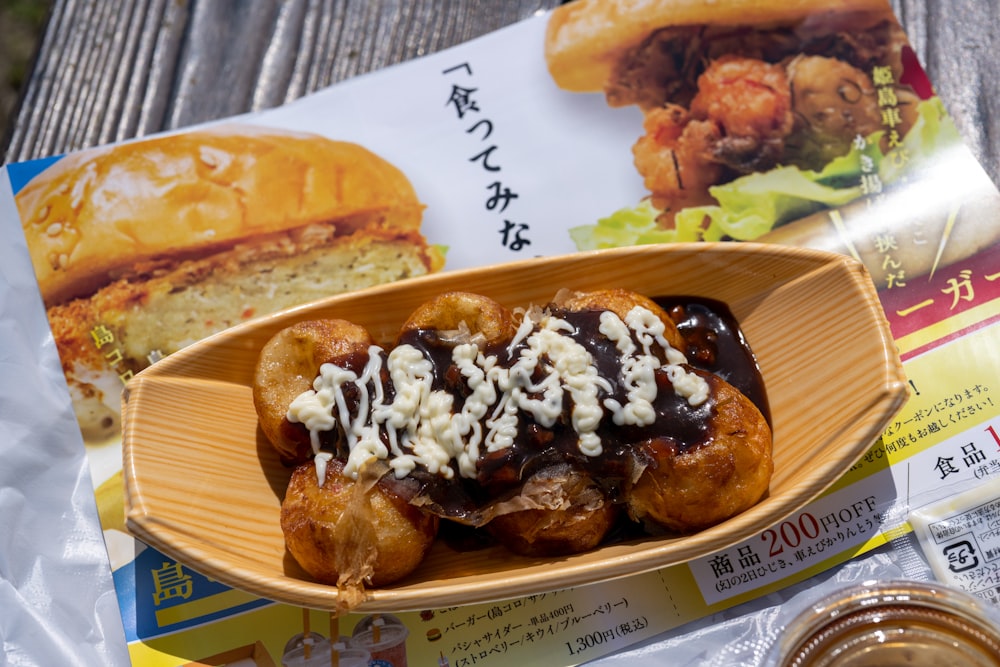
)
(783, 90)
(143, 248)
(761, 98)
(585, 39)
(96, 215)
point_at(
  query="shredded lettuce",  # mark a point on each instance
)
(624, 227)
(752, 205)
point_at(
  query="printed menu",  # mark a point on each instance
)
(574, 130)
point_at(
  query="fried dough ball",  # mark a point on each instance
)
(352, 533)
(715, 479)
(620, 302)
(461, 312)
(287, 366)
(572, 515)
(376, 529)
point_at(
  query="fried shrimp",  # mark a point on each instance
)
(738, 109)
(751, 103)
(737, 123)
(674, 158)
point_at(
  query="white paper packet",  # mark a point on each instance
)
(57, 600)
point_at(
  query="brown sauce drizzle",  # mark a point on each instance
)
(714, 344)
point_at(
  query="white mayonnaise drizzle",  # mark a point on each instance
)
(423, 428)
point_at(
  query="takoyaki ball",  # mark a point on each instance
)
(461, 314)
(350, 533)
(712, 481)
(620, 302)
(572, 515)
(287, 366)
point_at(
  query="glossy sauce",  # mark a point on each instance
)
(714, 344)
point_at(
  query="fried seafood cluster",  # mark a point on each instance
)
(720, 103)
(544, 428)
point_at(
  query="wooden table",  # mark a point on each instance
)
(110, 70)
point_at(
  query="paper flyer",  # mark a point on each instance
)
(819, 130)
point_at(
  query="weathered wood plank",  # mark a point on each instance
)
(109, 71)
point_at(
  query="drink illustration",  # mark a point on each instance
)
(384, 636)
(307, 649)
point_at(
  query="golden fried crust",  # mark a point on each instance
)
(451, 310)
(357, 533)
(94, 214)
(713, 481)
(579, 520)
(346, 532)
(620, 302)
(287, 366)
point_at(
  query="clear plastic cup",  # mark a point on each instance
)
(900, 623)
(351, 656)
(312, 650)
(384, 638)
